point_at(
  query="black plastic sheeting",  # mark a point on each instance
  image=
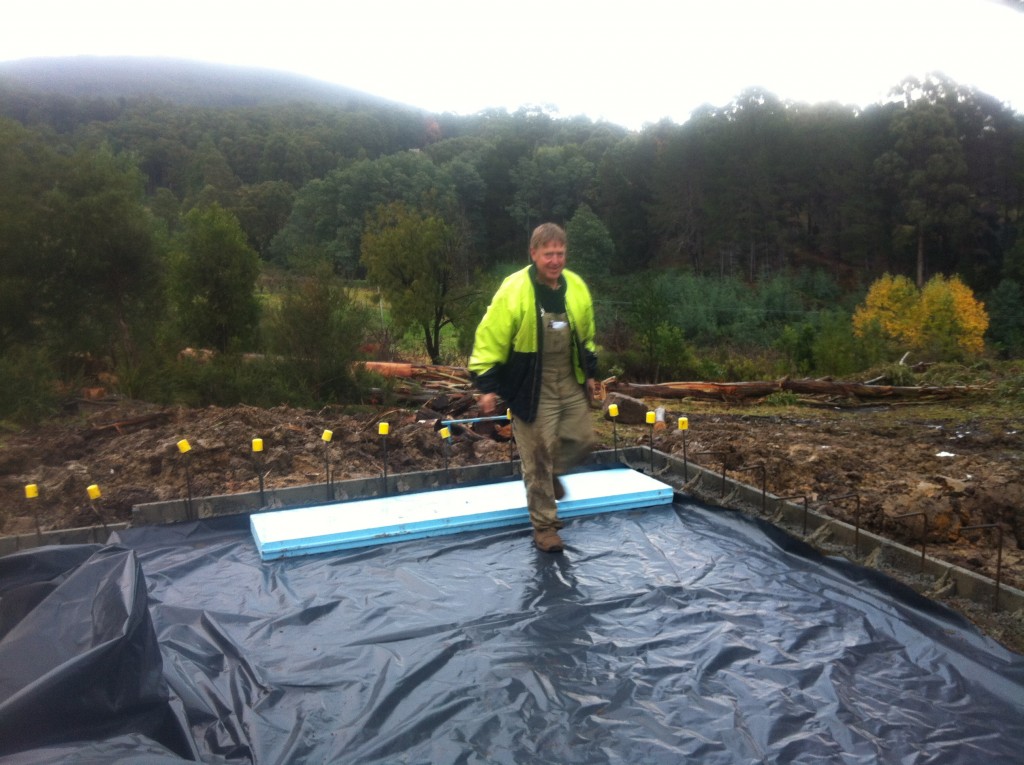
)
(678, 634)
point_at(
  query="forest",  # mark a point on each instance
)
(203, 253)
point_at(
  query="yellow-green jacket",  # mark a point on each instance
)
(506, 351)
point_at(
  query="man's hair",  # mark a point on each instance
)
(547, 233)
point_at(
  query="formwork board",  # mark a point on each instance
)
(361, 523)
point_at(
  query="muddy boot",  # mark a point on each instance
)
(548, 541)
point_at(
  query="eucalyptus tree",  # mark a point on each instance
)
(991, 137)
(417, 259)
(329, 215)
(682, 177)
(927, 170)
(263, 209)
(756, 129)
(624, 197)
(550, 184)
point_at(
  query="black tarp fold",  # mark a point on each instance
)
(79, 655)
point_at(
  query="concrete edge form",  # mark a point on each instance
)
(83, 535)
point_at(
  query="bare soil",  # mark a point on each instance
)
(962, 464)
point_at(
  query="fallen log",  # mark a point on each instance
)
(706, 390)
(864, 390)
(129, 422)
(760, 389)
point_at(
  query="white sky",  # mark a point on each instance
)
(631, 62)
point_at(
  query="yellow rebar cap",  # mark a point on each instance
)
(257, 444)
(94, 491)
(383, 428)
(327, 436)
(684, 423)
(651, 416)
(184, 446)
(613, 410)
(31, 491)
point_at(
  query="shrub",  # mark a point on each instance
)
(229, 379)
(29, 392)
(782, 398)
(315, 336)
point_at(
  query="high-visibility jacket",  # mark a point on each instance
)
(506, 351)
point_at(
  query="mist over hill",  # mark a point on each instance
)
(178, 81)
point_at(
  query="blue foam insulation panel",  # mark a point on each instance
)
(362, 523)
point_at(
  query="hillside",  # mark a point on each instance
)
(179, 81)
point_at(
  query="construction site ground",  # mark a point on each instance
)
(959, 461)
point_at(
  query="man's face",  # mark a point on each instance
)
(550, 260)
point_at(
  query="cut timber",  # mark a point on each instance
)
(389, 368)
(345, 525)
(426, 373)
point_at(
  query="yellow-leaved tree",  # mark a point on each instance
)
(942, 320)
(888, 310)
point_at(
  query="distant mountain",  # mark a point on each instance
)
(178, 81)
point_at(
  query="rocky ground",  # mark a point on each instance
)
(962, 463)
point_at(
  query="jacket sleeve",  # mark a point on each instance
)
(587, 332)
(493, 342)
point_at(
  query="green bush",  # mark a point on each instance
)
(1011, 387)
(898, 374)
(29, 392)
(314, 337)
(229, 379)
(797, 342)
(782, 398)
(835, 350)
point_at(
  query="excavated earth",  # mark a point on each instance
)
(956, 462)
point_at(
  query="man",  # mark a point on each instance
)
(535, 349)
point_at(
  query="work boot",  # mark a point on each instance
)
(559, 487)
(548, 541)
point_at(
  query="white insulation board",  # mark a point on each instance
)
(361, 523)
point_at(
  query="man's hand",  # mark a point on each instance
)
(487, 402)
(593, 389)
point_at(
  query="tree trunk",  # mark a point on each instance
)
(920, 257)
(432, 341)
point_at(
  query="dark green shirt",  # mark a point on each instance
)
(552, 301)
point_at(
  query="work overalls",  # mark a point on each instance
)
(562, 434)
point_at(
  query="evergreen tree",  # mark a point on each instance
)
(213, 281)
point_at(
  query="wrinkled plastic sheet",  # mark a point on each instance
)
(678, 634)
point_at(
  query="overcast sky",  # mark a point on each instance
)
(631, 62)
